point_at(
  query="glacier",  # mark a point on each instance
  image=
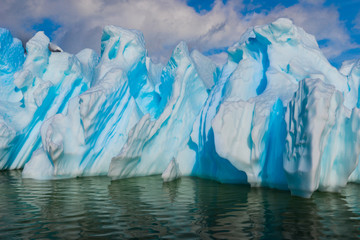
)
(277, 114)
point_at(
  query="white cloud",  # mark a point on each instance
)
(166, 22)
(312, 2)
(356, 22)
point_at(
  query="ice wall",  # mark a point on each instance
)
(277, 114)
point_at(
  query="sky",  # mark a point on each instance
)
(210, 26)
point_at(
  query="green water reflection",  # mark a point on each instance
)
(96, 207)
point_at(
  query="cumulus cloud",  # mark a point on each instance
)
(166, 22)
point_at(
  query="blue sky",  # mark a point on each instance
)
(210, 26)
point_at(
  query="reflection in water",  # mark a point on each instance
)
(87, 208)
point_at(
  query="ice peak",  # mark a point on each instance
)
(180, 51)
(39, 42)
(115, 40)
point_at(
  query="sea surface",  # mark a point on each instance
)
(189, 208)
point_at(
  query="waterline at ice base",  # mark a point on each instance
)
(277, 114)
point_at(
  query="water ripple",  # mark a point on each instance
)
(190, 208)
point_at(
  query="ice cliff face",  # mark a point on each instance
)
(277, 114)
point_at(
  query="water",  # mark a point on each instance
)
(96, 207)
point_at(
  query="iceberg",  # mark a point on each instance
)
(276, 115)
